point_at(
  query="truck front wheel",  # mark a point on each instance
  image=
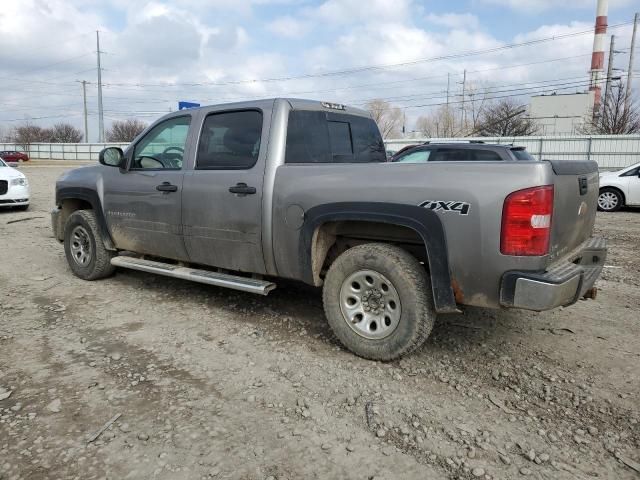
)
(378, 301)
(86, 255)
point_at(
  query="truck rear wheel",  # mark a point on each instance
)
(378, 301)
(86, 255)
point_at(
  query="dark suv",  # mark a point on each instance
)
(472, 151)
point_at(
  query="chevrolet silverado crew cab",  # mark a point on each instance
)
(242, 194)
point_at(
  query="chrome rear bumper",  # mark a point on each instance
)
(562, 284)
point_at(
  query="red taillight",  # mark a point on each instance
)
(526, 222)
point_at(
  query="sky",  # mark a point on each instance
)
(159, 52)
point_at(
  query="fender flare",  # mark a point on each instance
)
(423, 221)
(90, 196)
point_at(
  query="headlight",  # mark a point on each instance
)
(21, 181)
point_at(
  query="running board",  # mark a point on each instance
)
(236, 282)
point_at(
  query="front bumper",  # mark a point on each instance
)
(560, 285)
(16, 195)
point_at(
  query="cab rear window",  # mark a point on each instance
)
(327, 137)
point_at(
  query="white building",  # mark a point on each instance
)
(561, 114)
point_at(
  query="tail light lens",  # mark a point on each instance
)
(526, 222)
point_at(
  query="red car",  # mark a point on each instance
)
(13, 156)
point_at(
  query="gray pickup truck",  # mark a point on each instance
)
(241, 194)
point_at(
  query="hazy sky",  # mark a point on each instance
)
(212, 51)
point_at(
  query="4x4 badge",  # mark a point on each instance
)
(454, 206)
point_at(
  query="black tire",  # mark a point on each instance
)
(98, 258)
(412, 286)
(612, 194)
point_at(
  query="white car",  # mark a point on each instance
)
(619, 188)
(14, 187)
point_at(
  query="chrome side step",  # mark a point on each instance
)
(236, 282)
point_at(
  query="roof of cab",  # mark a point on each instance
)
(296, 104)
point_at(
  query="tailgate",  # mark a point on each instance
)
(575, 202)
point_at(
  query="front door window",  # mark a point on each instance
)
(162, 148)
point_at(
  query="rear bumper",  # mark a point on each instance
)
(560, 285)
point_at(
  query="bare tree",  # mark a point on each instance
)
(505, 118)
(28, 133)
(613, 118)
(4, 134)
(125, 130)
(65, 133)
(441, 123)
(388, 117)
(474, 106)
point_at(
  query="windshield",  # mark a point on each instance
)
(2, 164)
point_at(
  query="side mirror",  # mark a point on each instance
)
(112, 157)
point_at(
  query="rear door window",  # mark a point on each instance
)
(484, 156)
(464, 155)
(326, 137)
(450, 155)
(230, 141)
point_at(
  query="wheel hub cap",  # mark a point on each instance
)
(370, 304)
(80, 246)
(607, 200)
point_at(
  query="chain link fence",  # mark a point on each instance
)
(61, 151)
(610, 151)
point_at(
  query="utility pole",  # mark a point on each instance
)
(100, 111)
(607, 86)
(84, 105)
(627, 98)
(448, 86)
(464, 84)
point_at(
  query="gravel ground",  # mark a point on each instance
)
(212, 383)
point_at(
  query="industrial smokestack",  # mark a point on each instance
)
(597, 58)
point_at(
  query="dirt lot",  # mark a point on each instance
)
(211, 383)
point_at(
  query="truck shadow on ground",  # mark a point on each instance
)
(301, 305)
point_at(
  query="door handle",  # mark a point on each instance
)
(167, 187)
(242, 189)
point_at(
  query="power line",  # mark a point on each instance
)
(49, 65)
(26, 119)
(488, 90)
(377, 67)
(376, 86)
(550, 90)
(522, 87)
(539, 89)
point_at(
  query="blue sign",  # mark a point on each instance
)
(185, 105)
